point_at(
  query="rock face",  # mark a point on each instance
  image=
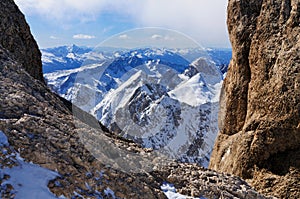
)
(259, 120)
(17, 39)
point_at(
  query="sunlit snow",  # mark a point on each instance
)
(29, 180)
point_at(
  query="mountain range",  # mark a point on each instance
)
(155, 97)
(73, 56)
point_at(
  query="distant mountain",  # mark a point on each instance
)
(71, 57)
(156, 97)
(106, 74)
(63, 58)
(221, 57)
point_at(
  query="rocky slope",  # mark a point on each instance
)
(259, 135)
(38, 126)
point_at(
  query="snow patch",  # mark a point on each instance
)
(71, 56)
(170, 191)
(3, 139)
(108, 192)
(227, 153)
(29, 180)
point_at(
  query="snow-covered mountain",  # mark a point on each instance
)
(63, 57)
(71, 57)
(221, 57)
(156, 97)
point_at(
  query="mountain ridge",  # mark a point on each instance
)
(220, 56)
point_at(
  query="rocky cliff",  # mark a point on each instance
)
(16, 38)
(259, 121)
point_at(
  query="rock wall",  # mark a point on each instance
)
(16, 38)
(259, 120)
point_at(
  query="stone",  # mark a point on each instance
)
(17, 39)
(259, 119)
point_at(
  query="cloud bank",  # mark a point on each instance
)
(201, 19)
(83, 36)
(123, 36)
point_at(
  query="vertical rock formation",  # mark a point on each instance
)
(259, 121)
(16, 38)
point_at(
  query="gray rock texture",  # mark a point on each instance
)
(16, 38)
(259, 121)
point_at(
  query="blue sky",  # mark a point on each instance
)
(89, 22)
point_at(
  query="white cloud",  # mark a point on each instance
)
(82, 36)
(68, 10)
(53, 37)
(169, 38)
(156, 37)
(203, 20)
(124, 36)
(161, 37)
